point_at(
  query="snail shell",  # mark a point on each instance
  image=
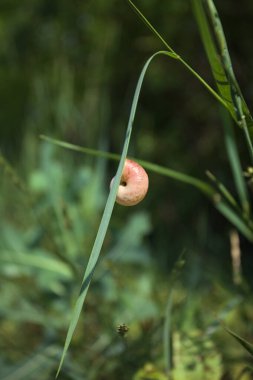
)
(133, 184)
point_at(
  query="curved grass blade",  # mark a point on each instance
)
(202, 186)
(217, 52)
(158, 169)
(180, 59)
(94, 256)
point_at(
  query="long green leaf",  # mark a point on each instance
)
(235, 219)
(180, 59)
(243, 342)
(158, 169)
(235, 163)
(216, 48)
(94, 256)
(202, 186)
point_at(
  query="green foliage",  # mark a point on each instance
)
(68, 71)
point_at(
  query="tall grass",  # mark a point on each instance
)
(230, 97)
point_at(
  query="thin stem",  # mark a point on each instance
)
(244, 126)
(209, 88)
(248, 139)
(143, 18)
(158, 35)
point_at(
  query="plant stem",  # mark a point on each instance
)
(158, 35)
(209, 88)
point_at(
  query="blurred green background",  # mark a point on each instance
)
(68, 70)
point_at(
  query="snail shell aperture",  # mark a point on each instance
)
(133, 184)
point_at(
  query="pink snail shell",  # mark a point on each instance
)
(133, 184)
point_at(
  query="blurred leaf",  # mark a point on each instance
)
(36, 259)
(38, 366)
(245, 371)
(243, 342)
(129, 246)
(150, 372)
(193, 355)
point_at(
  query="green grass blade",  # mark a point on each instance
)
(243, 124)
(217, 52)
(235, 219)
(150, 26)
(81, 149)
(222, 189)
(202, 186)
(94, 256)
(244, 343)
(235, 163)
(180, 59)
(158, 169)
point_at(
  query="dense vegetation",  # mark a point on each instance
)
(174, 270)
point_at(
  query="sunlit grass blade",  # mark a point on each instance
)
(243, 342)
(94, 256)
(217, 52)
